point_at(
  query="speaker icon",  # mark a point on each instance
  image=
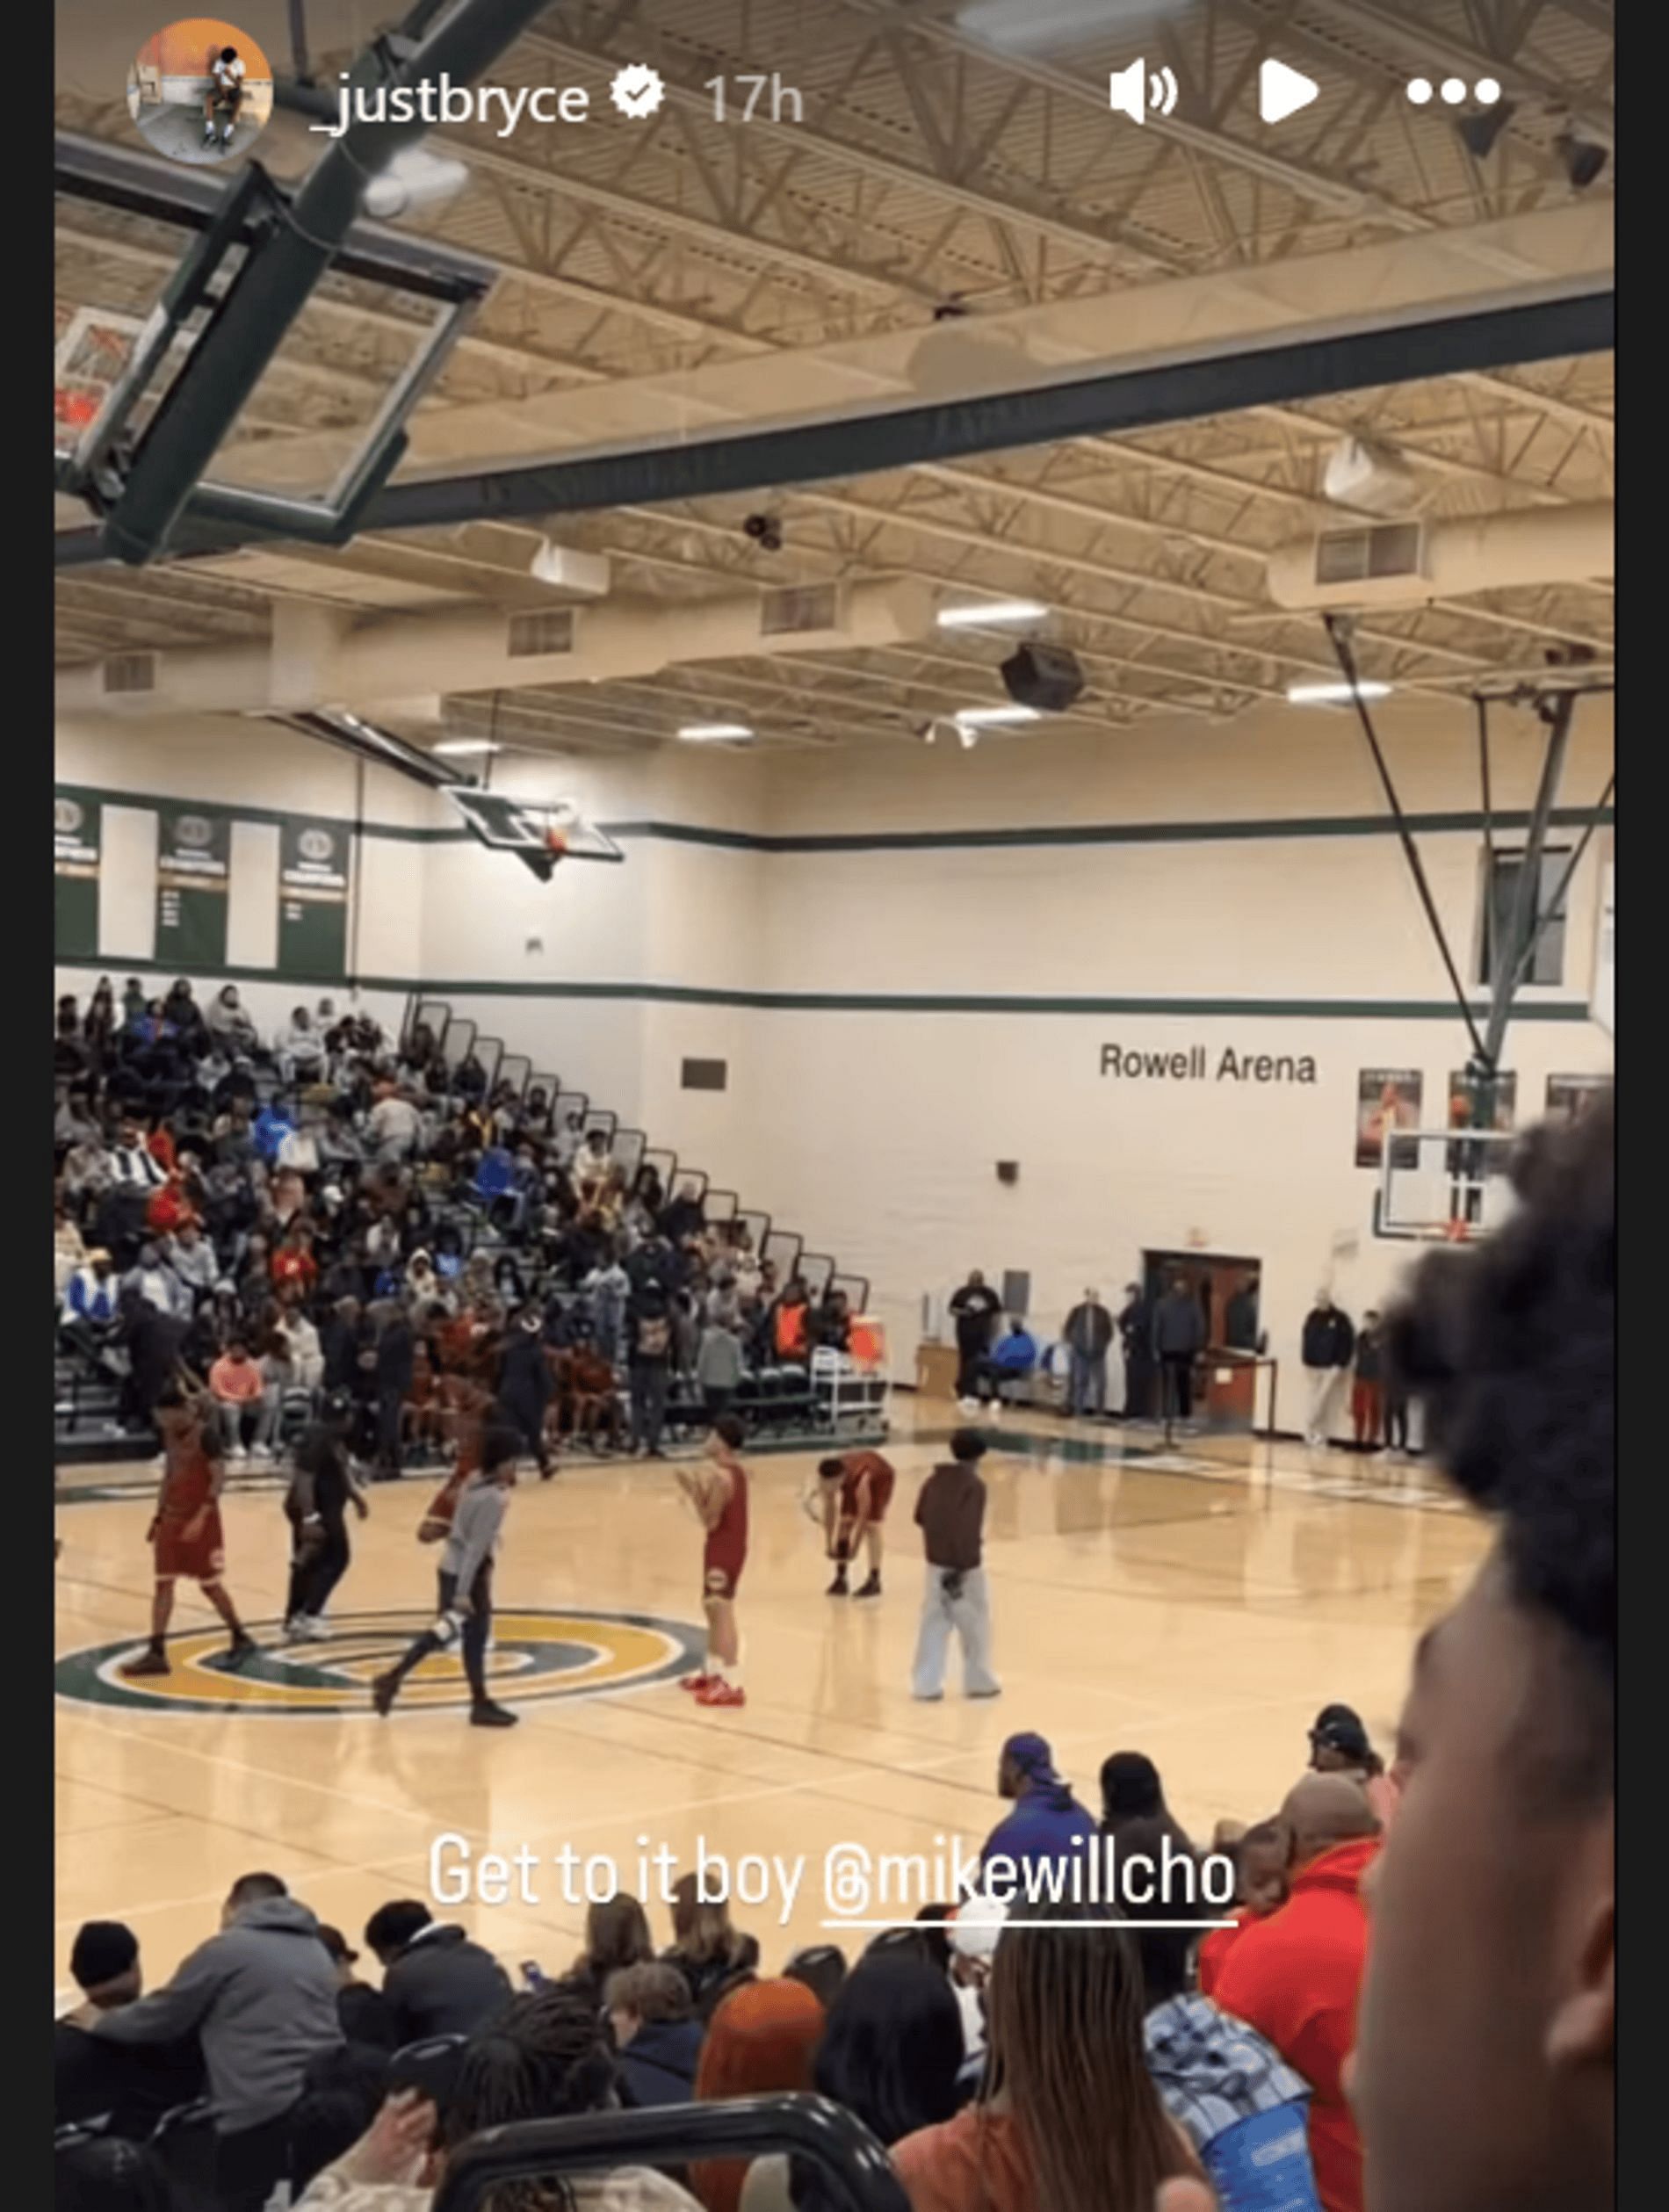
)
(1138, 90)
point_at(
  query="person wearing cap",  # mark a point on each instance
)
(1048, 1827)
(950, 1512)
(362, 2011)
(322, 1489)
(93, 2079)
(1339, 1745)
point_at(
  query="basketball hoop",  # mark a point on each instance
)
(556, 841)
(1457, 1232)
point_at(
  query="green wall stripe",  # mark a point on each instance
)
(1255, 829)
(559, 988)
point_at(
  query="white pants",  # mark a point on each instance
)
(969, 1614)
(1324, 1388)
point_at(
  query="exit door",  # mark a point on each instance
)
(1229, 1291)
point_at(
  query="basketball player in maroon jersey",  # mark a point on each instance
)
(719, 1491)
(186, 1538)
(856, 1489)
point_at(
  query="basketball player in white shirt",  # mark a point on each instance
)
(225, 96)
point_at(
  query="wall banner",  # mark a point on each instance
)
(193, 875)
(313, 900)
(76, 824)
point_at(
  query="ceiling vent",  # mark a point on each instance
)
(130, 672)
(797, 608)
(1381, 551)
(541, 631)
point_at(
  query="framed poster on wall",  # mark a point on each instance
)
(1387, 1099)
(1570, 1097)
(193, 879)
(1462, 1113)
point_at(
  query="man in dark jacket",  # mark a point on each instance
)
(1048, 1826)
(261, 1997)
(1329, 1340)
(1135, 1341)
(1088, 1335)
(974, 1309)
(434, 1980)
(655, 2032)
(396, 1360)
(525, 1383)
(1179, 1337)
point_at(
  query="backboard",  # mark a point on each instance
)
(541, 832)
(1444, 1185)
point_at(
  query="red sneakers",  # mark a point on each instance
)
(715, 1692)
(695, 1682)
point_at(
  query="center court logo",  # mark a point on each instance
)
(537, 1656)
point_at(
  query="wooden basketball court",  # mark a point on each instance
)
(1199, 1605)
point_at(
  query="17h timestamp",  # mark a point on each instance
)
(739, 99)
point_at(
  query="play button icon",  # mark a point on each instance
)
(1283, 92)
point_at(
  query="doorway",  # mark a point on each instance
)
(1229, 1290)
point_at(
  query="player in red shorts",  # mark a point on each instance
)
(719, 1493)
(185, 1534)
(856, 1489)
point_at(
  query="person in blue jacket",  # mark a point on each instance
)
(1048, 1827)
(1011, 1359)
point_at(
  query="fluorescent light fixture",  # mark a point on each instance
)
(459, 747)
(977, 613)
(713, 733)
(994, 718)
(1336, 694)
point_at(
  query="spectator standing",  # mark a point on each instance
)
(718, 1367)
(1367, 1384)
(1087, 1334)
(1135, 1341)
(1179, 1337)
(1328, 1342)
(649, 1368)
(950, 1512)
(261, 1997)
(974, 1309)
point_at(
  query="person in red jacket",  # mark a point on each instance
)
(1296, 1977)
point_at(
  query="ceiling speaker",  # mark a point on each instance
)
(1045, 676)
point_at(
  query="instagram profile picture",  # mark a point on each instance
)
(200, 90)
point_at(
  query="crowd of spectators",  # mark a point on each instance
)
(330, 1210)
(1410, 2006)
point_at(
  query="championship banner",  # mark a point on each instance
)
(193, 874)
(74, 857)
(313, 900)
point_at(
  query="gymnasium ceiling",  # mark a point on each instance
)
(928, 172)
